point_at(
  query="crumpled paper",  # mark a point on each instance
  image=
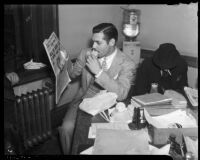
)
(98, 103)
(33, 65)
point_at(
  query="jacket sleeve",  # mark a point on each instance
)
(122, 84)
(142, 84)
(183, 81)
(76, 68)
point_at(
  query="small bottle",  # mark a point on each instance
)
(134, 124)
(138, 118)
(154, 88)
(142, 118)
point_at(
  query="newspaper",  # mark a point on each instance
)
(55, 53)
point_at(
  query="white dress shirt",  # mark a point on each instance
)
(109, 60)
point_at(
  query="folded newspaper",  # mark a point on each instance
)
(58, 59)
(98, 103)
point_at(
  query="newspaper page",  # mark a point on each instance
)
(54, 50)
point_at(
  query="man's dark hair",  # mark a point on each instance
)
(108, 29)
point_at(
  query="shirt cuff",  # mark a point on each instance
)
(97, 75)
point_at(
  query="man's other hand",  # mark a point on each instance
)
(13, 77)
(93, 64)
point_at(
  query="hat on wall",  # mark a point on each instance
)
(166, 56)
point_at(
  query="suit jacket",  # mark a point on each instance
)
(118, 78)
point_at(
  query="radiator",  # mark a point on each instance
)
(32, 114)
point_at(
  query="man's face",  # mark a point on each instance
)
(100, 45)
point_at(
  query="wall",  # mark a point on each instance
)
(76, 23)
(169, 23)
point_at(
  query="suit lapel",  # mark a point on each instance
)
(114, 68)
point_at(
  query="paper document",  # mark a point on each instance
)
(87, 151)
(152, 150)
(159, 151)
(109, 141)
(115, 126)
(178, 117)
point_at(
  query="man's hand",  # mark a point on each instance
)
(62, 58)
(93, 64)
(13, 77)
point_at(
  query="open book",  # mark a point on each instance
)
(152, 99)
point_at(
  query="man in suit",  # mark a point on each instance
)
(104, 67)
(167, 69)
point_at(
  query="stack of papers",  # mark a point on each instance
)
(152, 99)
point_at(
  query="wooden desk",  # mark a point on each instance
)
(83, 122)
(80, 139)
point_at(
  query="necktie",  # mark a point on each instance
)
(104, 64)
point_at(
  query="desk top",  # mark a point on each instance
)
(83, 122)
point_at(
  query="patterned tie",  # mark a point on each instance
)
(104, 64)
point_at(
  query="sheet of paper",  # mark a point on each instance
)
(159, 151)
(152, 150)
(109, 141)
(115, 126)
(87, 151)
(167, 120)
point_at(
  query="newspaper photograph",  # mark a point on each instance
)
(58, 60)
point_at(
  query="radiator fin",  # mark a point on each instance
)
(32, 114)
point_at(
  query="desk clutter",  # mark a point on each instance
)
(137, 129)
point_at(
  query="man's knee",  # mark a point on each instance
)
(67, 126)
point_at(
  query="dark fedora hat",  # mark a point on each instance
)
(166, 56)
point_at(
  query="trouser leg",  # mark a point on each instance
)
(67, 128)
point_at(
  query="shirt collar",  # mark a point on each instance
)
(109, 58)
